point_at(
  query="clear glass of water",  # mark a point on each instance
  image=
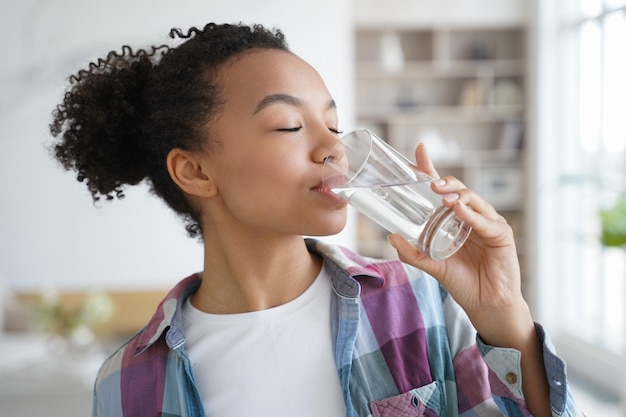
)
(383, 185)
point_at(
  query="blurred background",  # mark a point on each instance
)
(522, 100)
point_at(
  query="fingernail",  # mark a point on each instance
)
(439, 182)
(451, 197)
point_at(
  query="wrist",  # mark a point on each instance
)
(511, 327)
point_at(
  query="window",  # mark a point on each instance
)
(582, 171)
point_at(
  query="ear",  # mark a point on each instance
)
(186, 171)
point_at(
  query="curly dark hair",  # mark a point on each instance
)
(120, 117)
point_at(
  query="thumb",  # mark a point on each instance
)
(423, 161)
(411, 255)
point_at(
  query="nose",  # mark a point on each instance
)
(328, 148)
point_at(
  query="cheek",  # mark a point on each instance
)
(256, 184)
(260, 173)
(286, 168)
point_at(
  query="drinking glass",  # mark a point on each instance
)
(380, 183)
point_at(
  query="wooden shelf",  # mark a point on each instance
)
(442, 114)
(428, 69)
(461, 91)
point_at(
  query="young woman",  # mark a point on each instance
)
(231, 129)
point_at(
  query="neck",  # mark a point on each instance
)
(243, 275)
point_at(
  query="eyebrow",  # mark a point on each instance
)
(286, 99)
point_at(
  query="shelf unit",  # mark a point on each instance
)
(461, 91)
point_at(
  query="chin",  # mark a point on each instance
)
(329, 230)
(322, 234)
(327, 225)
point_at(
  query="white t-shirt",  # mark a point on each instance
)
(276, 362)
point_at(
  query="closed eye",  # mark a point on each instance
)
(295, 129)
(289, 129)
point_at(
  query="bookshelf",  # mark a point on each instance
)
(459, 90)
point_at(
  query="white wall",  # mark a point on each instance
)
(50, 233)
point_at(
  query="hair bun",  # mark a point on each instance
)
(100, 123)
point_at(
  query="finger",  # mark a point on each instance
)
(423, 161)
(494, 228)
(448, 184)
(452, 191)
(471, 208)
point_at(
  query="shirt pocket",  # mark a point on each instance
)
(426, 401)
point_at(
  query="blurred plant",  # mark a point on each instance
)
(614, 224)
(74, 324)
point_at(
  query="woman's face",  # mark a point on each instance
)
(277, 124)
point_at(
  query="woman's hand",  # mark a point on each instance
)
(484, 279)
(484, 275)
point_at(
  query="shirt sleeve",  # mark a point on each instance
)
(505, 377)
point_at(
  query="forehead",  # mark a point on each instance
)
(261, 72)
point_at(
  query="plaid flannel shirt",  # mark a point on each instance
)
(403, 347)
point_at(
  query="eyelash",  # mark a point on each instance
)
(295, 129)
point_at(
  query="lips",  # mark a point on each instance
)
(327, 185)
(334, 181)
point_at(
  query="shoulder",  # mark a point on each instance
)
(143, 359)
(133, 384)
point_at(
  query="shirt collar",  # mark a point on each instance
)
(169, 315)
(353, 264)
(345, 268)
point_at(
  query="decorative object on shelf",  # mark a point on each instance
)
(473, 93)
(480, 51)
(439, 148)
(72, 326)
(501, 185)
(511, 140)
(392, 55)
(614, 224)
(406, 100)
(507, 93)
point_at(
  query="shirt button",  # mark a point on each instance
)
(511, 378)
